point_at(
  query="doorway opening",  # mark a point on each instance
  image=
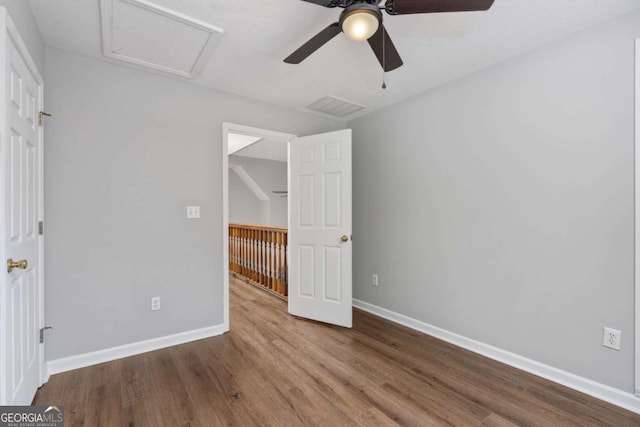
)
(255, 208)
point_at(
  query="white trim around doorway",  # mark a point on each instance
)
(243, 130)
(637, 222)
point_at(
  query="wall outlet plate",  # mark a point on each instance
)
(611, 338)
(374, 279)
(193, 212)
(155, 303)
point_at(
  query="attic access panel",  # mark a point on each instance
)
(151, 36)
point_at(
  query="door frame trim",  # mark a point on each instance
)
(637, 221)
(8, 28)
(245, 130)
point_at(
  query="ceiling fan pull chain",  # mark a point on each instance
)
(384, 59)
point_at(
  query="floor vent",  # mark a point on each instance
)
(335, 106)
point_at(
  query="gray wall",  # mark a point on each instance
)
(127, 151)
(500, 206)
(244, 206)
(23, 18)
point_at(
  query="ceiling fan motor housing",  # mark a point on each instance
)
(360, 8)
(344, 3)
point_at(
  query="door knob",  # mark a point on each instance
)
(344, 238)
(11, 264)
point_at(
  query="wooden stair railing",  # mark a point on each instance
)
(259, 255)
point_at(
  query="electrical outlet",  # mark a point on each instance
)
(374, 279)
(155, 303)
(611, 338)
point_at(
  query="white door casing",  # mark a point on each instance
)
(259, 133)
(21, 291)
(320, 247)
(637, 222)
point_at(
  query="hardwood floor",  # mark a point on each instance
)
(274, 369)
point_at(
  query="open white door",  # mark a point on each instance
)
(320, 245)
(21, 289)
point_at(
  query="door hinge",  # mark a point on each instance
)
(41, 117)
(41, 228)
(42, 333)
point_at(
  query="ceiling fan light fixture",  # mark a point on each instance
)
(361, 22)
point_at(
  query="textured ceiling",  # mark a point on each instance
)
(259, 34)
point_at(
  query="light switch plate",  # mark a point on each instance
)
(193, 212)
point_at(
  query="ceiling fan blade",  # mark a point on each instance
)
(325, 3)
(314, 44)
(404, 7)
(381, 42)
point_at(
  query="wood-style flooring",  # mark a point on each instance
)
(274, 369)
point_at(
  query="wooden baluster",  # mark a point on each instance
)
(280, 263)
(261, 256)
(265, 257)
(251, 254)
(270, 259)
(247, 253)
(285, 278)
(274, 272)
(258, 280)
(255, 255)
(239, 242)
(267, 253)
(231, 248)
(236, 251)
(276, 262)
(256, 259)
(244, 252)
(236, 244)
(262, 278)
(236, 237)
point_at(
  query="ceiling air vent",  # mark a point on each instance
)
(334, 106)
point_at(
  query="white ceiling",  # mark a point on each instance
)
(269, 149)
(259, 34)
(237, 142)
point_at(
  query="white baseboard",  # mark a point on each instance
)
(108, 354)
(601, 391)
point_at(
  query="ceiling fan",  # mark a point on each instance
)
(362, 20)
